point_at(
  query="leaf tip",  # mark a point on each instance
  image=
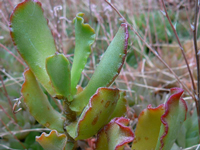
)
(126, 35)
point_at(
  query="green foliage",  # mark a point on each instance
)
(39, 105)
(158, 128)
(106, 71)
(33, 39)
(52, 141)
(154, 19)
(59, 76)
(86, 112)
(54, 73)
(114, 135)
(85, 36)
(96, 114)
(172, 119)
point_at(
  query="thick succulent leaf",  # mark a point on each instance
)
(58, 69)
(52, 141)
(84, 37)
(107, 70)
(148, 127)
(96, 114)
(33, 39)
(38, 104)
(172, 119)
(114, 135)
(120, 109)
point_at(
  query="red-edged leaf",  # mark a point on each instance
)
(38, 104)
(158, 128)
(114, 135)
(172, 119)
(96, 114)
(148, 127)
(33, 39)
(52, 141)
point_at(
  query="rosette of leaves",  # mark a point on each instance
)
(86, 111)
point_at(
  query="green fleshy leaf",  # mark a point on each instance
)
(58, 69)
(148, 127)
(114, 135)
(33, 39)
(120, 109)
(85, 36)
(107, 70)
(96, 114)
(172, 119)
(52, 141)
(38, 104)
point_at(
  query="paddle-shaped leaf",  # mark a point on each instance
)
(58, 69)
(172, 119)
(96, 114)
(33, 39)
(85, 36)
(114, 135)
(38, 104)
(107, 70)
(148, 127)
(52, 141)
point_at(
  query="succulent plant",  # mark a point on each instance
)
(94, 110)
(85, 112)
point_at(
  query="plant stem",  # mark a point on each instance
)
(180, 45)
(197, 61)
(151, 49)
(70, 117)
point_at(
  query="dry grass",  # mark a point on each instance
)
(143, 76)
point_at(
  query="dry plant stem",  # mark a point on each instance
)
(10, 117)
(24, 131)
(180, 45)
(11, 4)
(152, 50)
(90, 10)
(197, 101)
(12, 133)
